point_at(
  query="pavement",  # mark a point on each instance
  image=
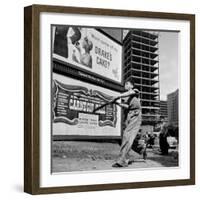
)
(68, 156)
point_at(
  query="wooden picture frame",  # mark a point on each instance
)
(32, 106)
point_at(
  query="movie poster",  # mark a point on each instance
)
(73, 105)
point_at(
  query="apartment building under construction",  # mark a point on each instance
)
(141, 61)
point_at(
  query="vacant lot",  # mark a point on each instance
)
(70, 156)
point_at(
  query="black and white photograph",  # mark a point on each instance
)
(114, 99)
(109, 99)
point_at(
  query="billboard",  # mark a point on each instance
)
(88, 49)
(73, 105)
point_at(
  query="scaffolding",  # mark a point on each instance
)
(141, 61)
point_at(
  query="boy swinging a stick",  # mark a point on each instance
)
(132, 106)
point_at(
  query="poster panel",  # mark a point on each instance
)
(73, 105)
(88, 49)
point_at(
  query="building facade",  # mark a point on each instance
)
(141, 62)
(163, 110)
(172, 107)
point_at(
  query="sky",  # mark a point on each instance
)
(168, 66)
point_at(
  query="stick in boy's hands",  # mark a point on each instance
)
(107, 103)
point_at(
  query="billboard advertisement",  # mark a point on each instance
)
(88, 49)
(73, 105)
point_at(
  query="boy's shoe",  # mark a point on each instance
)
(117, 165)
(130, 162)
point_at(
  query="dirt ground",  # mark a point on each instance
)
(68, 156)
